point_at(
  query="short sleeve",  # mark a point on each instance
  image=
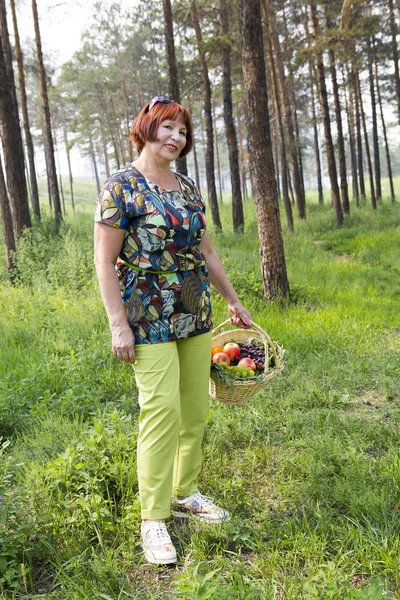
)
(111, 205)
(194, 192)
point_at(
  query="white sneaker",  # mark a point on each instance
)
(156, 543)
(200, 506)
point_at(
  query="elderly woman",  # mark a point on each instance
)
(152, 249)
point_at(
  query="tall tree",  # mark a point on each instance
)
(395, 54)
(49, 144)
(323, 97)
(282, 141)
(377, 161)
(10, 131)
(273, 265)
(25, 115)
(388, 161)
(366, 141)
(233, 152)
(338, 114)
(209, 151)
(286, 108)
(6, 220)
(173, 79)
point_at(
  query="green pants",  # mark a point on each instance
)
(172, 378)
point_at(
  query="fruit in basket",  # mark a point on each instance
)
(221, 357)
(247, 362)
(215, 350)
(232, 350)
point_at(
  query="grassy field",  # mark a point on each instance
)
(309, 469)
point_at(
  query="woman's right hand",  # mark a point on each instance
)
(123, 344)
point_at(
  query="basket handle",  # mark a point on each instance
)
(263, 334)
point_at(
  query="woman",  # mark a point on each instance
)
(152, 248)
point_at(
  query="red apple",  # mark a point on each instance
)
(232, 350)
(221, 357)
(247, 362)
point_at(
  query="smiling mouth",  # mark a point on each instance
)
(170, 147)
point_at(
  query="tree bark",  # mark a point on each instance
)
(281, 133)
(10, 131)
(353, 154)
(395, 54)
(388, 161)
(323, 96)
(195, 160)
(269, 17)
(377, 161)
(94, 163)
(173, 78)
(46, 118)
(366, 141)
(217, 153)
(25, 116)
(209, 154)
(273, 266)
(68, 153)
(316, 140)
(6, 221)
(338, 114)
(233, 152)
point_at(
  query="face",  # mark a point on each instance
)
(171, 139)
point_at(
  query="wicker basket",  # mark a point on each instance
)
(241, 391)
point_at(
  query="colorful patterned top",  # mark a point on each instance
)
(162, 272)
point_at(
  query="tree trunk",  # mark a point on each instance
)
(242, 157)
(273, 266)
(288, 119)
(360, 161)
(195, 160)
(210, 173)
(323, 97)
(173, 79)
(281, 133)
(117, 126)
(11, 132)
(353, 154)
(316, 141)
(25, 116)
(366, 141)
(6, 221)
(68, 153)
(377, 160)
(233, 153)
(388, 161)
(94, 163)
(338, 114)
(46, 118)
(102, 120)
(217, 153)
(395, 54)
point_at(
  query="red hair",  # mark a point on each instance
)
(147, 122)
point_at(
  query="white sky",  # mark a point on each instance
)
(61, 25)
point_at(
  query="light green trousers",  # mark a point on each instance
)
(172, 378)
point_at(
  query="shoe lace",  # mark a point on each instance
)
(205, 501)
(157, 534)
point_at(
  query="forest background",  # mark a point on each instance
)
(310, 467)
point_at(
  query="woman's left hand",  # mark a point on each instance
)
(240, 316)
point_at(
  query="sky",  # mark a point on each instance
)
(61, 25)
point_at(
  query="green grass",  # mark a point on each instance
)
(309, 468)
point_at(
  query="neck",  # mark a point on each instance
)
(149, 163)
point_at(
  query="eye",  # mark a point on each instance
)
(183, 133)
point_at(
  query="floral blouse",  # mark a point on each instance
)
(162, 273)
